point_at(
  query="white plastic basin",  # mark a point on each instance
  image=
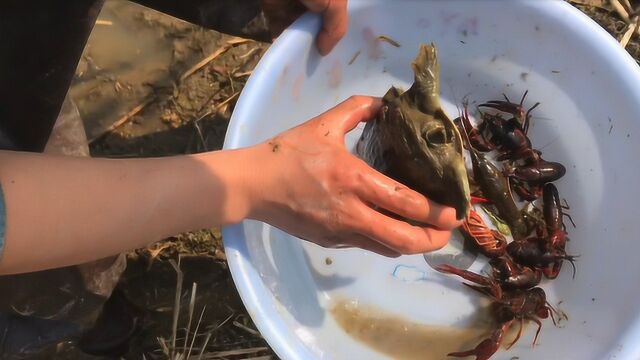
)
(589, 89)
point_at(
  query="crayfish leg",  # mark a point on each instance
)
(571, 260)
(537, 331)
(483, 289)
(570, 219)
(489, 286)
(518, 335)
(551, 311)
(524, 193)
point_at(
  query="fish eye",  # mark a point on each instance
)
(437, 136)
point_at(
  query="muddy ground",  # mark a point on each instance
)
(140, 71)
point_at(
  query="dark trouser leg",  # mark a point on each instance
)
(233, 17)
(42, 41)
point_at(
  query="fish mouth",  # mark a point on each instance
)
(461, 193)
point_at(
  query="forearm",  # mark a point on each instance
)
(63, 210)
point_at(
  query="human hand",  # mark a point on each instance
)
(311, 186)
(281, 13)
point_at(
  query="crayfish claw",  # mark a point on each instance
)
(485, 349)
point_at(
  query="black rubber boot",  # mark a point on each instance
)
(117, 324)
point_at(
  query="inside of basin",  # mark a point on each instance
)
(586, 121)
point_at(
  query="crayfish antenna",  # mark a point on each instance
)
(525, 125)
(523, 97)
(465, 117)
(531, 108)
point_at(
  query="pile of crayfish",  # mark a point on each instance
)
(537, 250)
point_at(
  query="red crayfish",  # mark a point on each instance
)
(536, 252)
(490, 242)
(520, 116)
(527, 180)
(509, 137)
(517, 300)
(517, 268)
(546, 250)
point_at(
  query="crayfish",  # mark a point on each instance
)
(512, 301)
(527, 180)
(536, 252)
(509, 137)
(546, 250)
(521, 117)
(514, 276)
(493, 185)
(490, 242)
(505, 274)
(518, 267)
(553, 216)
